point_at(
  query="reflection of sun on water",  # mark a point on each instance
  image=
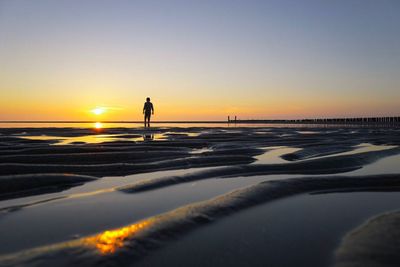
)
(111, 240)
(98, 125)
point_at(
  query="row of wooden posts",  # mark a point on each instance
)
(365, 120)
(229, 119)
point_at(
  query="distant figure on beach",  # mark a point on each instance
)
(147, 111)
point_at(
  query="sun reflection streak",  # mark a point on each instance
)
(98, 125)
(111, 240)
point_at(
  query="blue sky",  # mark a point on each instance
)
(199, 59)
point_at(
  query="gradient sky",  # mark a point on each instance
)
(199, 59)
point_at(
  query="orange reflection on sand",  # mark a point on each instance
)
(111, 240)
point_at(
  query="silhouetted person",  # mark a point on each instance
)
(147, 111)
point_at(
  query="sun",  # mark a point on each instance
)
(98, 110)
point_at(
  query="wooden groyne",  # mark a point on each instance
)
(364, 120)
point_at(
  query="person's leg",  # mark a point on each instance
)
(147, 120)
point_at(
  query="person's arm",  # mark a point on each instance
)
(144, 107)
(152, 109)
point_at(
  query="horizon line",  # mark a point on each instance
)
(208, 121)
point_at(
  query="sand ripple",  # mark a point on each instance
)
(122, 247)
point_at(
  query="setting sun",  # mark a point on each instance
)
(98, 110)
(122, 119)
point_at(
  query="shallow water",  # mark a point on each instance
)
(96, 138)
(99, 196)
(272, 155)
(99, 207)
(298, 231)
(383, 166)
(258, 236)
(361, 148)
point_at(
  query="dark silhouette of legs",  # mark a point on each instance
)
(147, 119)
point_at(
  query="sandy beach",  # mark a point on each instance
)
(199, 133)
(199, 195)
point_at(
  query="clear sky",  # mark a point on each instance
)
(199, 59)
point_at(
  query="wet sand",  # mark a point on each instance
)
(119, 196)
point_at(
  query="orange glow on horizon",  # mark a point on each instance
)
(111, 240)
(214, 109)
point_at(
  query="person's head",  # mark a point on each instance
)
(148, 99)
